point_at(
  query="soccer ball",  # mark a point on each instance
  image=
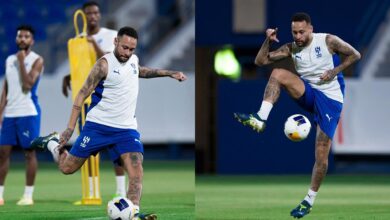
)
(120, 208)
(297, 127)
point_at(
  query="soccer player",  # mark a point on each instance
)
(319, 89)
(102, 40)
(110, 121)
(22, 114)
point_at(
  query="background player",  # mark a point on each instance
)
(19, 104)
(319, 89)
(102, 40)
(110, 121)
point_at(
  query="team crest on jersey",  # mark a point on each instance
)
(318, 52)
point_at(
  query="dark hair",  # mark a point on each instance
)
(301, 16)
(90, 3)
(129, 31)
(25, 27)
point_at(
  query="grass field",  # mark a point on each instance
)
(168, 191)
(272, 197)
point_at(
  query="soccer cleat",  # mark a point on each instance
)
(1, 202)
(41, 142)
(252, 120)
(25, 201)
(301, 210)
(140, 216)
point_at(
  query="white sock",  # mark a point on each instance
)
(121, 185)
(53, 148)
(136, 207)
(28, 192)
(310, 197)
(265, 109)
(1, 192)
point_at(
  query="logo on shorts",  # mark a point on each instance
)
(26, 133)
(86, 139)
(137, 140)
(328, 117)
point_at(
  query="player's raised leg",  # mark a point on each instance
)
(323, 144)
(279, 78)
(67, 162)
(5, 152)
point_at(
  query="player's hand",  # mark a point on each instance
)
(328, 76)
(271, 34)
(179, 76)
(66, 85)
(65, 136)
(21, 54)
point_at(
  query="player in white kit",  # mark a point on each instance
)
(20, 109)
(319, 89)
(102, 40)
(111, 123)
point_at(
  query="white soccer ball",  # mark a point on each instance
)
(297, 127)
(120, 208)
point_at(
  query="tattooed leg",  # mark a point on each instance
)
(69, 164)
(272, 90)
(286, 79)
(320, 168)
(133, 165)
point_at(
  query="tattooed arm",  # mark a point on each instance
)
(29, 79)
(264, 56)
(3, 100)
(98, 72)
(145, 72)
(336, 45)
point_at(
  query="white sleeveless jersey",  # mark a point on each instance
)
(19, 103)
(312, 61)
(105, 39)
(115, 98)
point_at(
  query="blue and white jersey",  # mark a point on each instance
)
(115, 98)
(20, 103)
(313, 60)
(105, 39)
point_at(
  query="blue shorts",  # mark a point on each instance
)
(95, 137)
(326, 110)
(20, 131)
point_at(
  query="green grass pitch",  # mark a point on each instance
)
(168, 191)
(272, 197)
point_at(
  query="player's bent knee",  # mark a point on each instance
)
(67, 170)
(279, 75)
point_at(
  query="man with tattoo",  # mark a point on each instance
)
(110, 121)
(22, 114)
(102, 40)
(319, 89)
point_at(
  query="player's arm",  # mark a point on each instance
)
(98, 50)
(337, 45)
(3, 99)
(98, 72)
(145, 72)
(264, 56)
(29, 79)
